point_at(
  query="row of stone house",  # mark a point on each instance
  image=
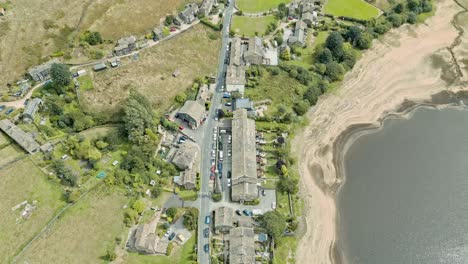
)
(306, 13)
(241, 236)
(244, 52)
(187, 160)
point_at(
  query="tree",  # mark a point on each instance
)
(334, 72)
(156, 191)
(279, 39)
(139, 119)
(171, 212)
(93, 38)
(363, 42)
(110, 253)
(349, 58)
(312, 95)
(288, 185)
(399, 8)
(325, 56)
(285, 54)
(353, 33)
(426, 6)
(334, 43)
(412, 18)
(169, 20)
(301, 107)
(94, 154)
(139, 206)
(181, 98)
(293, 73)
(274, 222)
(101, 144)
(282, 11)
(395, 19)
(284, 171)
(60, 74)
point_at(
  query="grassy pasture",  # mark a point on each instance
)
(193, 53)
(23, 181)
(351, 8)
(255, 6)
(83, 232)
(247, 26)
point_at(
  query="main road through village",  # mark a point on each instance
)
(207, 139)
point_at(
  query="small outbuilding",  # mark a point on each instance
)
(31, 108)
(100, 67)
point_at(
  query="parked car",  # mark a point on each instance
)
(213, 168)
(238, 212)
(2, 107)
(206, 248)
(212, 176)
(26, 101)
(213, 162)
(206, 232)
(229, 182)
(273, 205)
(171, 236)
(228, 104)
(229, 153)
(167, 233)
(213, 153)
(246, 212)
(181, 128)
(215, 137)
(215, 130)
(229, 174)
(207, 220)
(263, 193)
(213, 146)
(9, 111)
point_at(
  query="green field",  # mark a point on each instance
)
(19, 182)
(255, 6)
(280, 89)
(83, 232)
(351, 8)
(247, 26)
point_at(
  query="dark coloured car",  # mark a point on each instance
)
(247, 212)
(206, 232)
(2, 107)
(206, 248)
(171, 236)
(263, 193)
(238, 212)
(9, 111)
(229, 174)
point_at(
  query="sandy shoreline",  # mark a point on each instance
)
(399, 68)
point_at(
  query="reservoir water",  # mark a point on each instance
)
(405, 198)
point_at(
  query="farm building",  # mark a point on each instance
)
(235, 78)
(125, 46)
(192, 112)
(185, 159)
(30, 110)
(25, 140)
(100, 67)
(242, 245)
(157, 34)
(42, 72)
(223, 219)
(255, 51)
(298, 37)
(205, 7)
(188, 15)
(235, 58)
(244, 161)
(145, 240)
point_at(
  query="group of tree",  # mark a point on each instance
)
(190, 219)
(92, 38)
(282, 11)
(274, 223)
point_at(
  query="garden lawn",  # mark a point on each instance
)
(280, 89)
(351, 8)
(22, 181)
(256, 6)
(83, 232)
(247, 26)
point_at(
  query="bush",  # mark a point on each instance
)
(301, 107)
(395, 19)
(170, 247)
(93, 38)
(171, 212)
(334, 71)
(216, 196)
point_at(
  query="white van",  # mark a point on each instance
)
(220, 155)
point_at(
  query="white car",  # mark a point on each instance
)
(215, 137)
(229, 182)
(215, 130)
(213, 153)
(273, 205)
(229, 153)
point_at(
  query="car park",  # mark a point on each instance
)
(206, 232)
(207, 220)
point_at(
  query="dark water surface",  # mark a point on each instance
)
(405, 199)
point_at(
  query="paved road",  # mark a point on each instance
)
(207, 140)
